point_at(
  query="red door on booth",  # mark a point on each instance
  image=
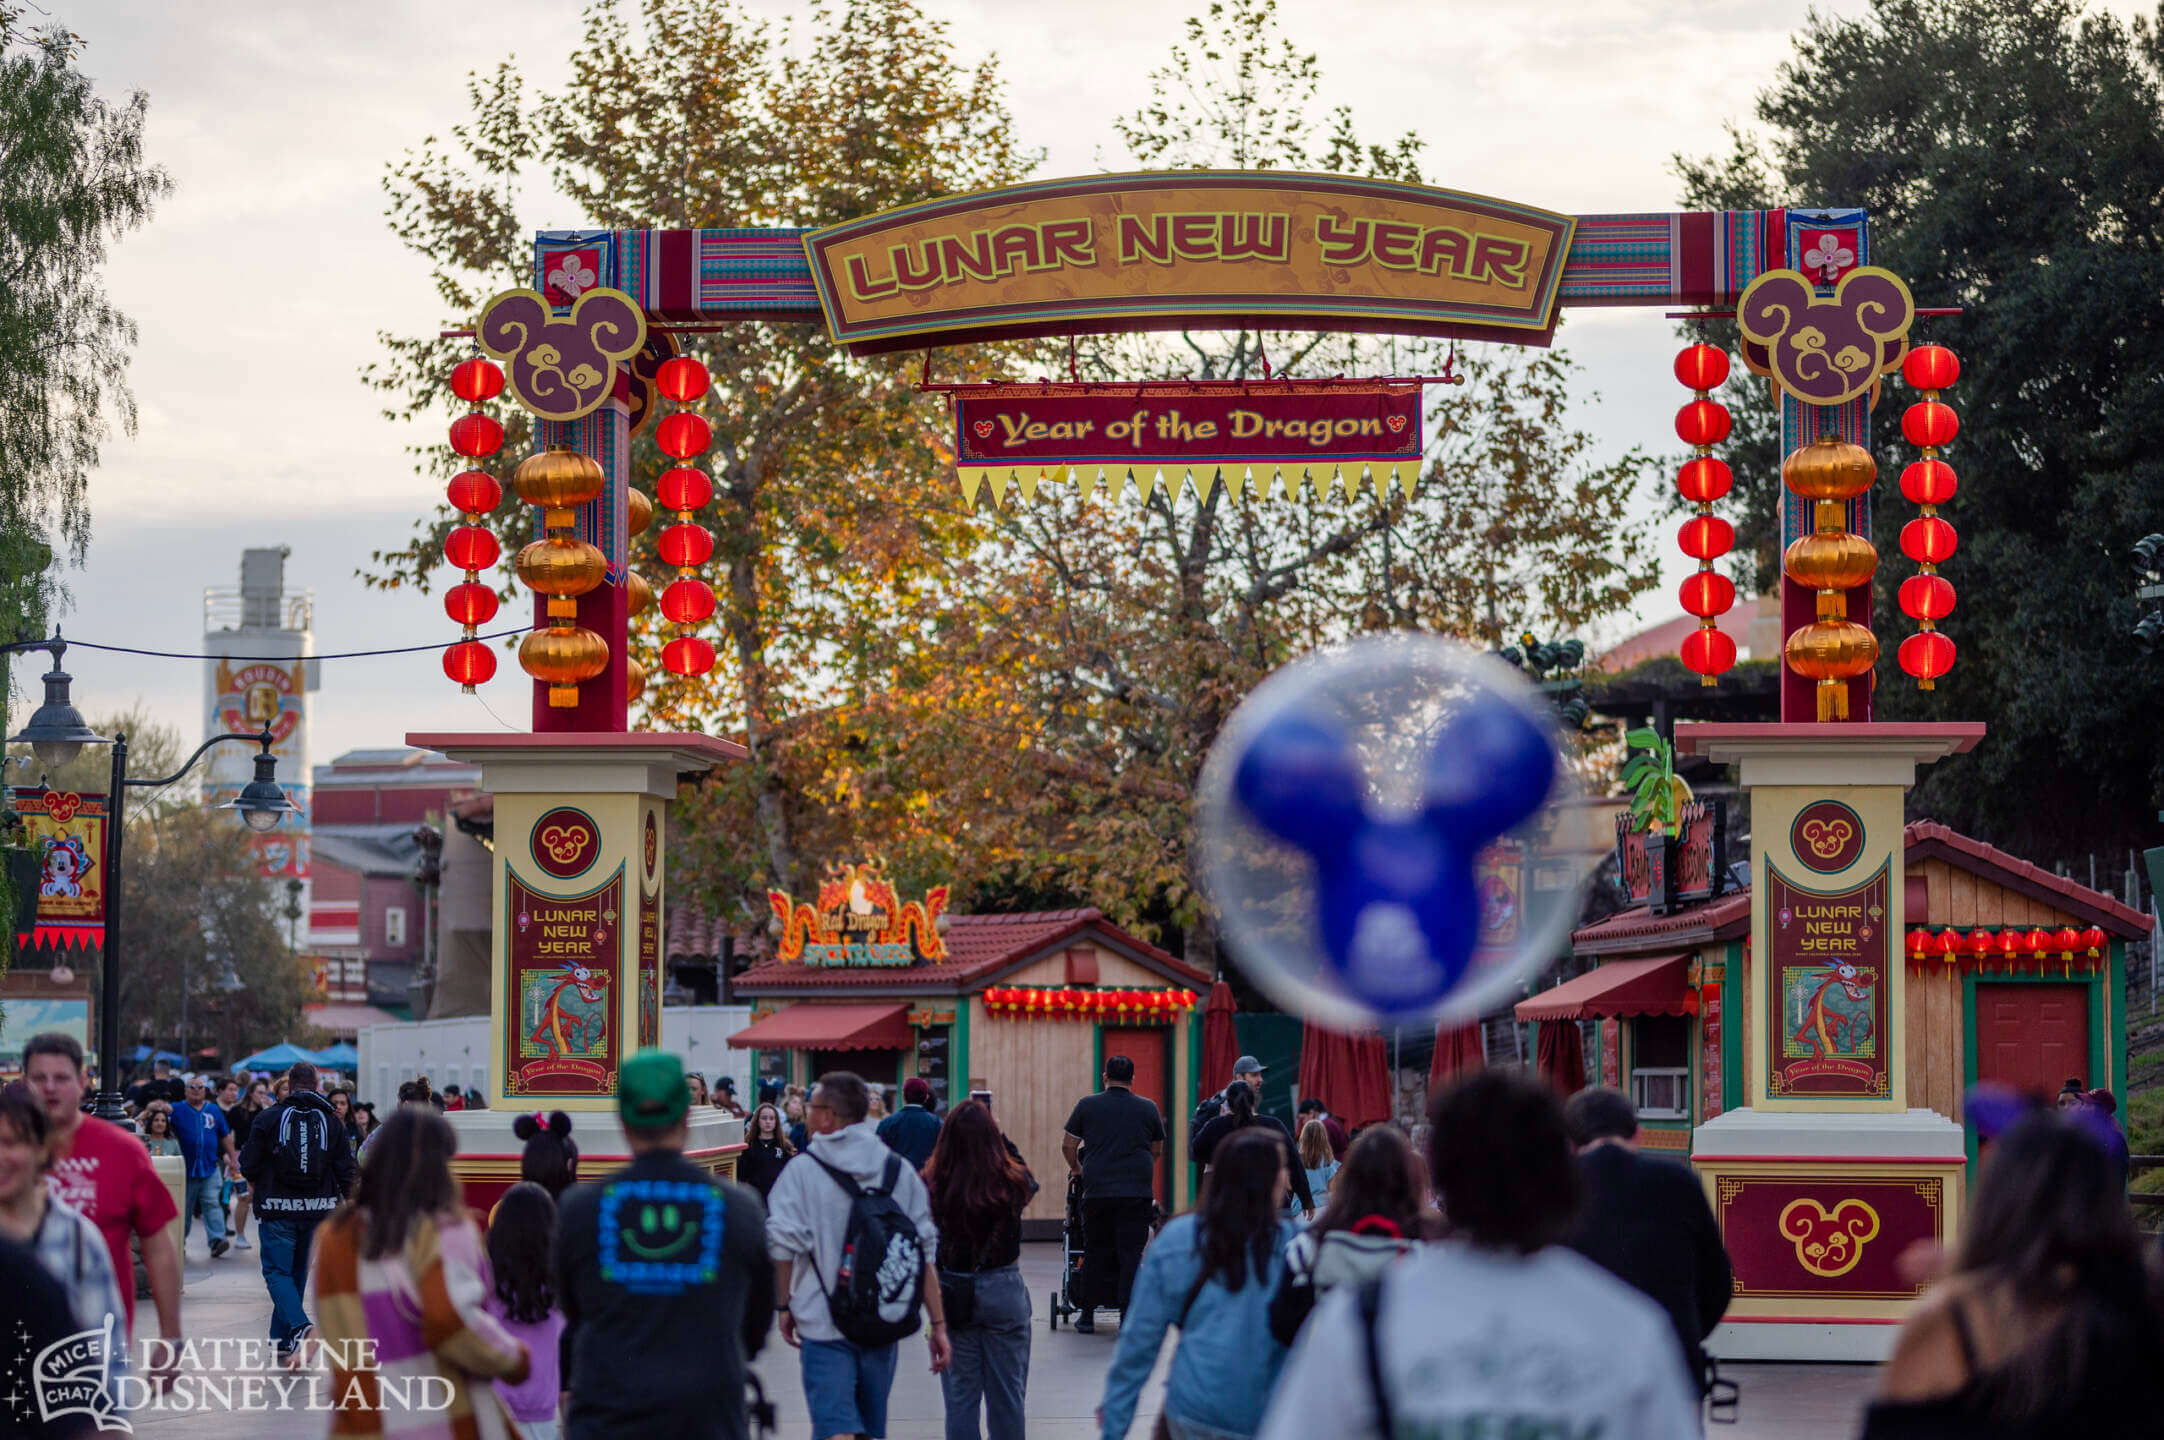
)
(1145, 1045)
(2032, 1037)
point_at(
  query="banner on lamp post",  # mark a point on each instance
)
(1303, 435)
(66, 832)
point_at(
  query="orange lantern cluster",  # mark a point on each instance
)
(1927, 597)
(2010, 950)
(683, 437)
(1707, 594)
(472, 546)
(560, 567)
(1068, 1003)
(1830, 561)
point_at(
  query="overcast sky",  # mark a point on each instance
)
(262, 283)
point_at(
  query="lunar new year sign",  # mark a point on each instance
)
(1830, 971)
(563, 974)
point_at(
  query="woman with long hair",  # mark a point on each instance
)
(1242, 1113)
(1373, 1217)
(1317, 1158)
(1211, 1273)
(978, 1193)
(2048, 1321)
(401, 1264)
(156, 1127)
(766, 1150)
(255, 1099)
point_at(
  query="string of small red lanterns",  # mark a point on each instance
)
(472, 546)
(2011, 950)
(1142, 1006)
(683, 437)
(1927, 597)
(1708, 594)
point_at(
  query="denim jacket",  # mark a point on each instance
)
(1227, 1361)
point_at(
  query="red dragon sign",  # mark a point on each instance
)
(859, 920)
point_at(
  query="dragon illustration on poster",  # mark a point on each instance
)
(584, 1014)
(1837, 1014)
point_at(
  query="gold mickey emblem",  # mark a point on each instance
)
(1827, 838)
(1828, 1244)
(564, 843)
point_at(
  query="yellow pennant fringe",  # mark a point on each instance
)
(1238, 480)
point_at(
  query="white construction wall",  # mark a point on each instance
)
(456, 1052)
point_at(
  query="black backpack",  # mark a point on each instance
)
(879, 1288)
(1211, 1107)
(301, 1161)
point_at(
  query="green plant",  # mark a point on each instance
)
(1649, 773)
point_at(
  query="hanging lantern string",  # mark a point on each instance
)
(286, 659)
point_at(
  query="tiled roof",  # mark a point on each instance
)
(1927, 840)
(1730, 916)
(979, 947)
(695, 934)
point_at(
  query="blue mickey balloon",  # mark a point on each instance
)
(1345, 820)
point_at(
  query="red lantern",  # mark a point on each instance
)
(2011, 947)
(1708, 652)
(687, 655)
(1927, 597)
(1708, 592)
(1920, 946)
(2066, 942)
(470, 603)
(683, 435)
(1981, 944)
(682, 379)
(1931, 367)
(1702, 422)
(477, 380)
(470, 547)
(2038, 942)
(1929, 424)
(2094, 940)
(685, 546)
(687, 601)
(475, 491)
(1929, 482)
(1704, 480)
(1706, 537)
(475, 436)
(683, 489)
(1927, 655)
(469, 662)
(1950, 945)
(1702, 367)
(1929, 540)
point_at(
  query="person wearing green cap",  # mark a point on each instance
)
(667, 1290)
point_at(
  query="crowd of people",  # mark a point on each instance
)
(1512, 1267)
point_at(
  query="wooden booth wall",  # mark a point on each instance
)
(1037, 1069)
(1937, 1025)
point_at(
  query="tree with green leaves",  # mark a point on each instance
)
(73, 179)
(2011, 155)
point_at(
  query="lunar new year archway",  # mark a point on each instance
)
(590, 351)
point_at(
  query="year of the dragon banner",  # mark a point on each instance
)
(1301, 435)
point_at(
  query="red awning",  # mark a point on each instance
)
(1655, 986)
(811, 1026)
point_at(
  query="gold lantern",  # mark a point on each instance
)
(558, 481)
(1830, 562)
(642, 510)
(561, 568)
(634, 680)
(563, 657)
(641, 594)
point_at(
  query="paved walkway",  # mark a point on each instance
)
(224, 1298)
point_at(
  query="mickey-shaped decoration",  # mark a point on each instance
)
(1397, 909)
(561, 366)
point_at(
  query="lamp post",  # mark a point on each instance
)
(56, 734)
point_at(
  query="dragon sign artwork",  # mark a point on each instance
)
(859, 920)
(1829, 965)
(562, 982)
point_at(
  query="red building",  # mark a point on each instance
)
(379, 817)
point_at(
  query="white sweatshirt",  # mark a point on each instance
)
(1477, 1342)
(807, 1216)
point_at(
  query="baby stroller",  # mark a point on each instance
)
(1070, 1271)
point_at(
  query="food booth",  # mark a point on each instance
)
(1025, 1006)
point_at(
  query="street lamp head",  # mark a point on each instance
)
(56, 733)
(261, 804)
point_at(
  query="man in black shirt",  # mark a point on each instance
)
(1646, 1222)
(163, 1084)
(667, 1291)
(1114, 1142)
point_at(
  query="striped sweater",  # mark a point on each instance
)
(423, 1316)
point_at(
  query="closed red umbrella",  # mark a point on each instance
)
(1560, 1057)
(1348, 1073)
(1457, 1051)
(1220, 1040)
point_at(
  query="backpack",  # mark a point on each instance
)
(1211, 1107)
(879, 1288)
(301, 1163)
